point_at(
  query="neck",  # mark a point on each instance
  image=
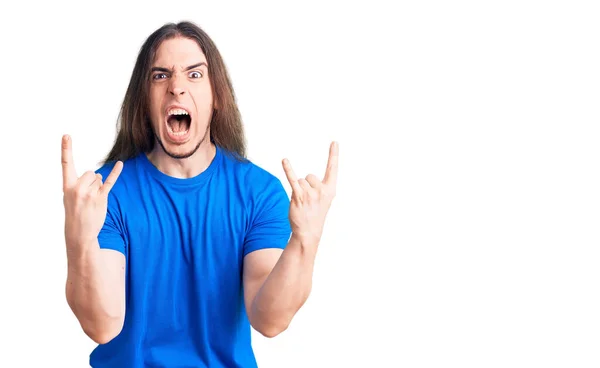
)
(183, 168)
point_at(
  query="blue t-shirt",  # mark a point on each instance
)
(184, 241)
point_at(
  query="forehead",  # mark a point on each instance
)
(178, 52)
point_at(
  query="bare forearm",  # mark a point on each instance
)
(93, 292)
(286, 288)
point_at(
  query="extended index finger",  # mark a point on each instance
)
(291, 177)
(332, 165)
(68, 167)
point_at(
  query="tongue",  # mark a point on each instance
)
(178, 125)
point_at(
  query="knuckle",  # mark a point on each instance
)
(80, 193)
(331, 193)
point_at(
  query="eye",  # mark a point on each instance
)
(159, 76)
(195, 75)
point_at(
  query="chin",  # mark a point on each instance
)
(179, 151)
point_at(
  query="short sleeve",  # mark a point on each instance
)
(111, 234)
(270, 225)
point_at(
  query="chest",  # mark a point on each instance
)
(201, 229)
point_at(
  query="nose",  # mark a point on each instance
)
(176, 87)
(177, 91)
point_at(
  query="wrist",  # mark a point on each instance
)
(305, 241)
(79, 251)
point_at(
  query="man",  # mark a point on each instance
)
(171, 264)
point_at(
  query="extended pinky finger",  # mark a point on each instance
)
(112, 177)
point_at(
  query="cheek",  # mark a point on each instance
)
(155, 99)
(203, 97)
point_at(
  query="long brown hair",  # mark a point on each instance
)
(134, 129)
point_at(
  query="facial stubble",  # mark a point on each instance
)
(183, 155)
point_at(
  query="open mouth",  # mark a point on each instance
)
(178, 122)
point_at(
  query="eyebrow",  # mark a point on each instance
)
(165, 70)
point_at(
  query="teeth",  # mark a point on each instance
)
(177, 112)
(176, 133)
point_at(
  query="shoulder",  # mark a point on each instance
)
(129, 170)
(254, 177)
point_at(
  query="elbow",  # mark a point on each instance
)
(100, 337)
(99, 325)
(270, 330)
(271, 323)
(105, 332)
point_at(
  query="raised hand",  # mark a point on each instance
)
(311, 199)
(85, 199)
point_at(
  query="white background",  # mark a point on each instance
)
(465, 230)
